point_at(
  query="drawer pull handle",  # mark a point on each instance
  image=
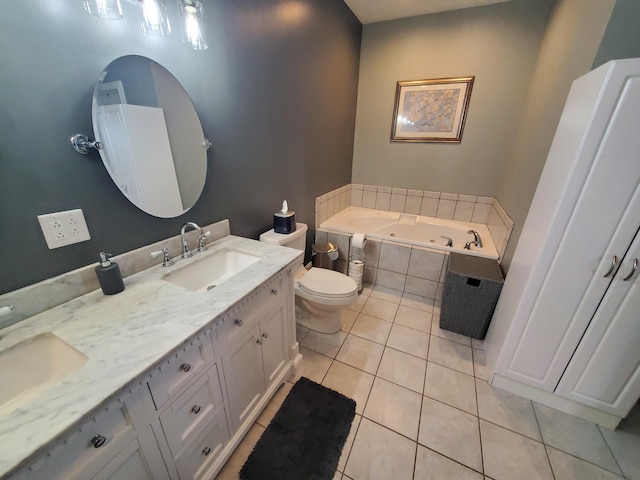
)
(196, 409)
(614, 262)
(98, 440)
(259, 341)
(274, 291)
(633, 270)
(237, 322)
(185, 367)
(265, 335)
(206, 451)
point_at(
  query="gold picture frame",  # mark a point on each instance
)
(431, 110)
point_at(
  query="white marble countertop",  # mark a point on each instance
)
(123, 336)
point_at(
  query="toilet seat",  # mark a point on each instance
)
(328, 284)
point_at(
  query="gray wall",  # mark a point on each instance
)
(568, 49)
(276, 93)
(498, 44)
(622, 36)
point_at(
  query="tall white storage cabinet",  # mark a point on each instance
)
(566, 331)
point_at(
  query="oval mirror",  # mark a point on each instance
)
(151, 138)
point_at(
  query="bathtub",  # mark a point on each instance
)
(412, 230)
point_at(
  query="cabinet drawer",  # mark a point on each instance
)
(197, 460)
(179, 369)
(245, 318)
(192, 411)
(84, 452)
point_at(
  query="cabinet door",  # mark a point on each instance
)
(602, 224)
(139, 460)
(274, 344)
(244, 375)
(605, 370)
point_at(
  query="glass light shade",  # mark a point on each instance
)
(192, 23)
(153, 17)
(109, 9)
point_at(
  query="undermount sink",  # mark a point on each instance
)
(33, 366)
(210, 271)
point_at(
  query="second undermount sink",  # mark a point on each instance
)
(33, 366)
(208, 272)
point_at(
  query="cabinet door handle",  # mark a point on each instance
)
(185, 367)
(612, 268)
(274, 291)
(259, 341)
(634, 267)
(98, 440)
(237, 322)
(206, 451)
(196, 409)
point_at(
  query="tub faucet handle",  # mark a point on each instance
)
(476, 238)
(448, 239)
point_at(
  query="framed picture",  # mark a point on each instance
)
(431, 110)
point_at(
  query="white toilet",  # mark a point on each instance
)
(322, 294)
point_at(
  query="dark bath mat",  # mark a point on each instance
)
(305, 438)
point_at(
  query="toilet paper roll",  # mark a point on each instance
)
(356, 267)
(358, 240)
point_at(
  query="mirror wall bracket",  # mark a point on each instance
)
(83, 145)
(206, 144)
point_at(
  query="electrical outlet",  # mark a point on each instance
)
(64, 228)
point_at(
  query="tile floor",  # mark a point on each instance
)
(425, 410)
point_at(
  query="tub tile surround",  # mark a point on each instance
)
(451, 206)
(124, 335)
(411, 269)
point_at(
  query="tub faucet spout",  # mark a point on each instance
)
(477, 241)
(186, 253)
(448, 239)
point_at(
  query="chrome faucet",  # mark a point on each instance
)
(448, 239)
(186, 253)
(477, 241)
(467, 246)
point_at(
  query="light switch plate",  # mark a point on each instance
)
(64, 228)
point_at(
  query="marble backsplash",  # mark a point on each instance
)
(41, 296)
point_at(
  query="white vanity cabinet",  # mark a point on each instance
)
(188, 397)
(116, 442)
(567, 320)
(256, 335)
(182, 419)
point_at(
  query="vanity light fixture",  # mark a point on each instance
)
(109, 9)
(192, 23)
(153, 17)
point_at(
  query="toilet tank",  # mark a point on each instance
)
(297, 239)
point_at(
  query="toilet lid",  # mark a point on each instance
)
(323, 282)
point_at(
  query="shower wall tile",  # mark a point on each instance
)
(394, 257)
(392, 280)
(448, 196)
(384, 189)
(446, 209)
(398, 202)
(413, 204)
(356, 198)
(429, 207)
(488, 200)
(464, 211)
(481, 213)
(429, 194)
(368, 199)
(383, 200)
(467, 198)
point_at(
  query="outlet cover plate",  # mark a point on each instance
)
(64, 228)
